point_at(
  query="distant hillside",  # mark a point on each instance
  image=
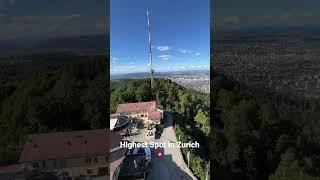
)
(142, 75)
(93, 42)
(89, 43)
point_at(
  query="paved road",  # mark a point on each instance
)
(171, 166)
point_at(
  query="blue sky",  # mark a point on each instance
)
(180, 35)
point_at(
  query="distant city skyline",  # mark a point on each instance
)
(180, 35)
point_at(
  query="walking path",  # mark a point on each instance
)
(171, 166)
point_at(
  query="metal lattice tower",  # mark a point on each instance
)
(150, 51)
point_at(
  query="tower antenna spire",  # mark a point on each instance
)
(150, 51)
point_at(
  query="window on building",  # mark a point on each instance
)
(107, 159)
(63, 163)
(102, 171)
(43, 163)
(89, 171)
(96, 159)
(88, 160)
(35, 165)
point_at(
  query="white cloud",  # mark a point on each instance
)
(6, 3)
(187, 51)
(114, 60)
(126, 69)
(227, 20)
(283, 19)
(163, 48)
(49, 26)
(286, 16)
(267, 17)
(183, 68)
(165, 57)
(12, 2)
(199, 66)
(184, 51)
(233, 19)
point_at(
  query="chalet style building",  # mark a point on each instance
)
(150, 112)
(69, 154)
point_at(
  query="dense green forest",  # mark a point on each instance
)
(189, 108)
(260, 134)
(48, 97)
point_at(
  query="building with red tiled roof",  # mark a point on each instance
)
(147, 110)
(155, 115)
(74, 153)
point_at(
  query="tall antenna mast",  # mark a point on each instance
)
(150, 51)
